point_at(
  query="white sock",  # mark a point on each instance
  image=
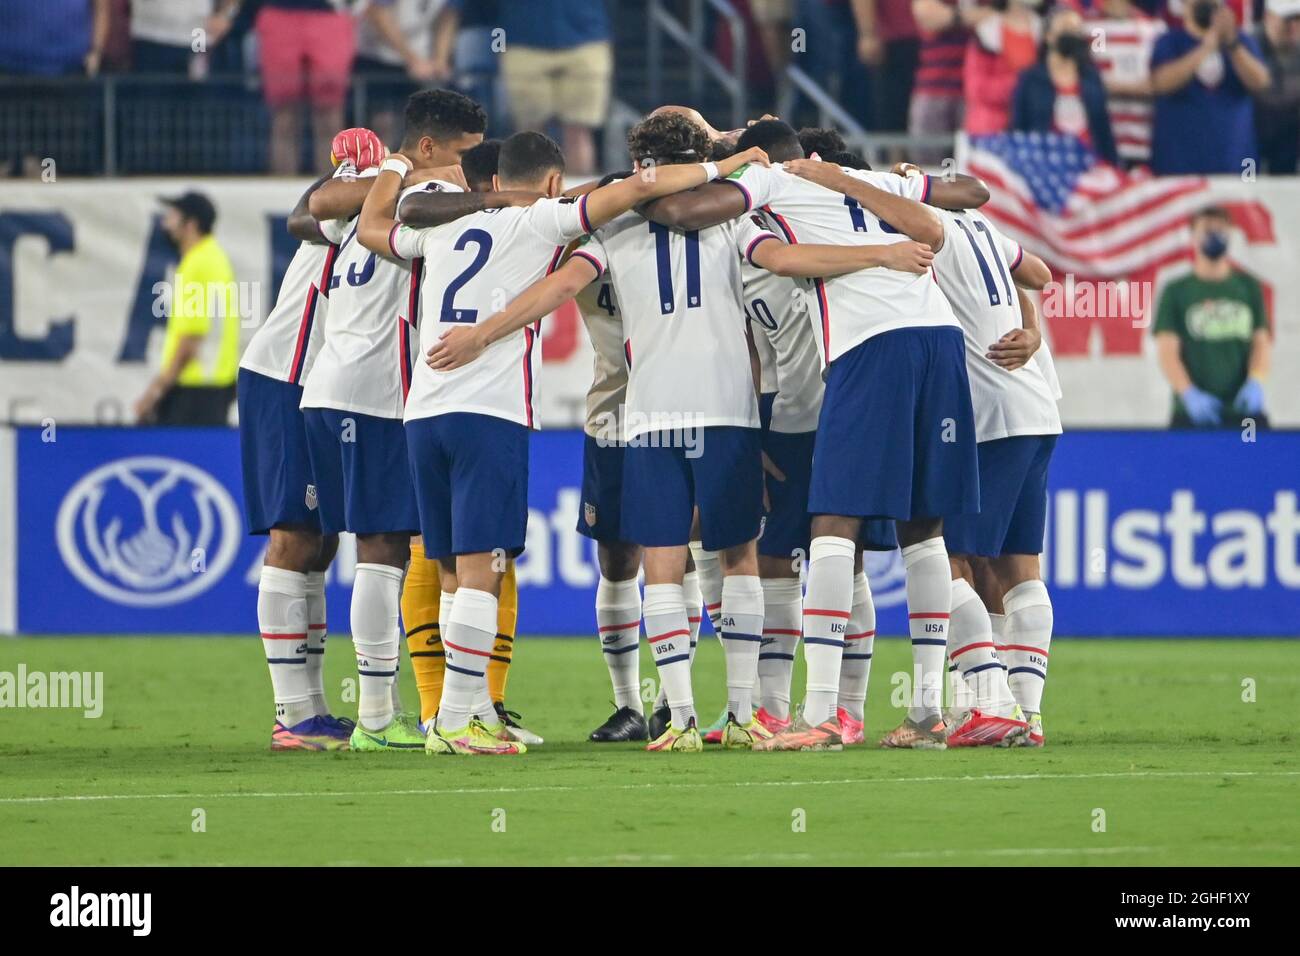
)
(929, 601)
(782, 627)
(694, 599)
(396, 688)
(376, 596)
(618, 621)
(742, 637)
(971, 648)
(669, 638)
(709, 570)
(282, 619)
(859, 645)
(1028, 609)
(826, 611)
(317, 631)
(467, 641)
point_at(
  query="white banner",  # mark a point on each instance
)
(80, 260)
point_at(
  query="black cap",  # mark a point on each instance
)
(194, 206)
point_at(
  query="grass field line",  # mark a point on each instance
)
(701, 785)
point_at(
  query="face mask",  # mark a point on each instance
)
(1071, 46)
(1214, 245)
(1203, 13)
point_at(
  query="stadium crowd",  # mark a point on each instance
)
(1184, 86)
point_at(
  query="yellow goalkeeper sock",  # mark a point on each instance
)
(420, 600)
(503, 648)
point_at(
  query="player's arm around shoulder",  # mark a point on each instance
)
(665, 195)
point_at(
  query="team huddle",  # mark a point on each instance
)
(797, 359)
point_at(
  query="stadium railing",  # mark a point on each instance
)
(690, 37)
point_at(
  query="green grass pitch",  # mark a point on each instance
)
(1153, 758)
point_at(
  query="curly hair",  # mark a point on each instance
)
(668, 138)
(442, 115)
(821, 140)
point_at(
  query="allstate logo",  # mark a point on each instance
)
(887, 575)
(133, 531)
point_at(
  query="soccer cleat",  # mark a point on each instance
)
(851, 731)
(713, 732)
(660, 718)
(679, 741)
(738, 737)
(909, 735)
(771, 722)
(513, 730)
(345, 723)
(474, 739)
(1033, 735)
(401, 733)
(314, 733)
(985, 730)
(801, 735)
(625, 724)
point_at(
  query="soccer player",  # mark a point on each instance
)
(422, 588)
(895, 437)
(353, 399)
(995, 554)
(468, 429)
(278, 500)
(691, 421)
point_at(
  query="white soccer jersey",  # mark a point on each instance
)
(973, 268)
(767, 380)
(477, 265)
(851, 308)
(598, 305)
(365, 362)
(285, 345)
(684, 327)
(777, 307)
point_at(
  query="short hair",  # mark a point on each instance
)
(722, 148)
(1211, 212)
(528, 156)
(667, 139)
(775, 137)
(479, 163)
(442, 115)
(821, 140)
(846, 157)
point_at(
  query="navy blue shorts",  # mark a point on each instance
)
(896, 437)
(471, 482)
(766, 402)
(362, 477)
(722, 473)
(1013, 499)
(279, 490)
(600, 517)
(787, 528)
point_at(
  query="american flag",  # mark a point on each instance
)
(1081, 215)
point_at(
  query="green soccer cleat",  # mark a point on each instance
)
(401, 733)
(736, 736)
(678, 741)
(474, 739)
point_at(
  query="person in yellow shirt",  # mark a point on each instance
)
(200, 357)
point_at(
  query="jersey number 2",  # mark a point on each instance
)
(483, 244)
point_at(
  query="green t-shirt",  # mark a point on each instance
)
(1214, 322)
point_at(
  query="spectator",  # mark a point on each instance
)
(464, 36)
(1005, 41)
(53, 38)
(558, 64)
(1212, 336)
(888, 44)
(1278, 108)
(163, 34)
(306, 48)
(1203, 74)
(772, 18)
(937, 107)
(196, 383)
(833, 55)
(1128, 35)
(1063, 92)
(396, 55)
